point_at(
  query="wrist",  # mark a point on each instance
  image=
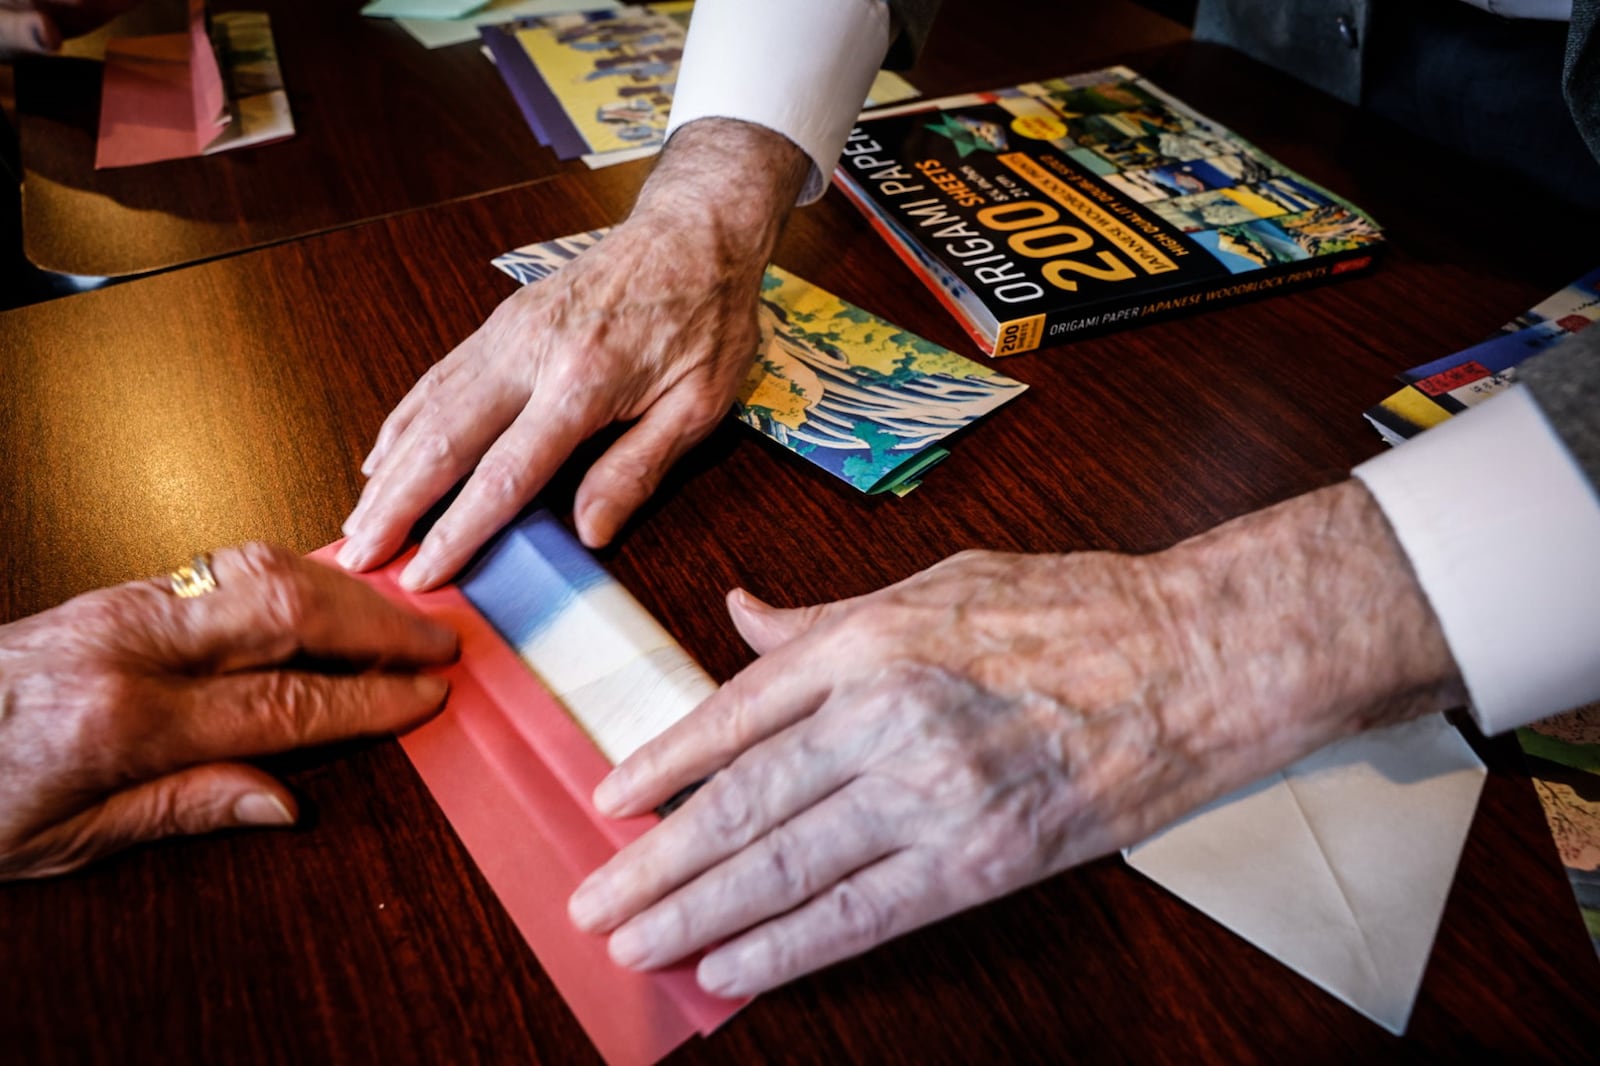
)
(735, 181)
(1310, 624)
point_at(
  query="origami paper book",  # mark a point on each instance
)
(1435, 391)
(512, 765)
(175, 96)
(593, 81)
(1338, 866)
(844, 389)
(598, 83)
(887, 88)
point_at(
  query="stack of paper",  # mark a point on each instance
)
(840, 387)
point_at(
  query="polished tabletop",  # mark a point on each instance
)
(233, 400)
(382, 125)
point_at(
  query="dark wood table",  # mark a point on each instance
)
(383, 125)
(233, 399)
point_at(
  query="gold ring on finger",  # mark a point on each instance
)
(195, 579)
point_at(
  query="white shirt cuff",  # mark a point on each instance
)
(801, 68)
(1503, 531)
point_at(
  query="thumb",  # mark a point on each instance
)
(201, 799)
(765, 627)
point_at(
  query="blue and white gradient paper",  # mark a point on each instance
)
(592, 645)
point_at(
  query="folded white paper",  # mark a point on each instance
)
(1338, 866)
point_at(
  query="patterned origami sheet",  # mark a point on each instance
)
(840, 387)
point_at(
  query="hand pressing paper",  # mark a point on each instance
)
(561, 673)
(847, 391)
(179, 95)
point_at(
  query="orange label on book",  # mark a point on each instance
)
(1137, 246)
(1022, 335)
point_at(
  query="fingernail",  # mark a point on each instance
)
(419, 572)
(630, 947)
(261, 808)
(354, 555)
(609, 793)
(431, 689)
(584, 908)
(718, 974)
(352, 526)
(597, 524)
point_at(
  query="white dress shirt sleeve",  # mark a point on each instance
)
(801, 68)
(1503, 531)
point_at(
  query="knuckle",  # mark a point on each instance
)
(290, 706)
(737, 725)
(785, 867)
(288, 600)
(260, 559)
(503, 480)
(430, 381)
(435, 447)
(862, 918)
(632, 475)
(731, 813)
(703, 412)
(1009, 847)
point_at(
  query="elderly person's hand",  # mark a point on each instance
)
(655, 325)
(997, 718)
(121, 711)
(37, 26)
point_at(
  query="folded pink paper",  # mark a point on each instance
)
(513, 773)
(161, 96)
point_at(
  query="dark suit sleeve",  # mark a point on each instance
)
(1565, 383)
(912, 20)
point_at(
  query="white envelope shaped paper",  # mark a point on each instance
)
(1339, 865)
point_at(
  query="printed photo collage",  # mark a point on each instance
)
(1247, 211)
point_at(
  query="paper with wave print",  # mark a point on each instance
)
(844, 389)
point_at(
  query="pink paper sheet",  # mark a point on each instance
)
(161, 96)
(513, 773)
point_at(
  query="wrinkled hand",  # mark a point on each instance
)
(657, 323)
(894, 758)
(37, 26)
(121, 710)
